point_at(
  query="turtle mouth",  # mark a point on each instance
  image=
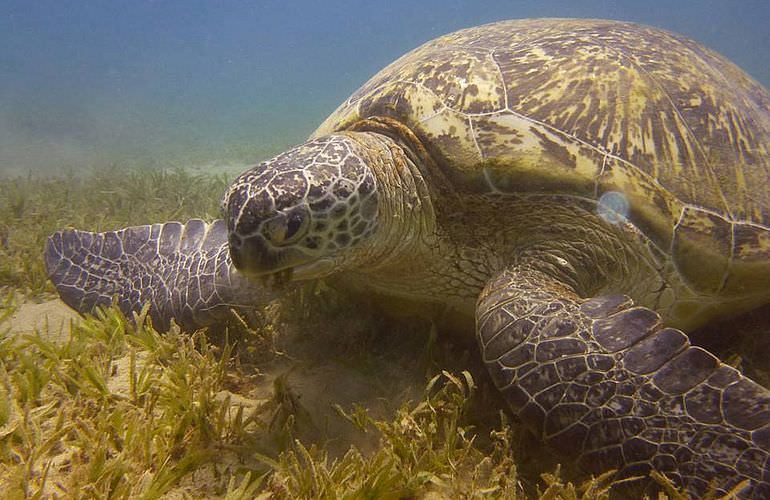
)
(275, 279)
(278, 277)
(259, 261)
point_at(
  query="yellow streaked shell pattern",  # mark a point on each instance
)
(584, 107)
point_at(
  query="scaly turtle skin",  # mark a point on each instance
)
(582, 188)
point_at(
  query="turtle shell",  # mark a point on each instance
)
(588, 107)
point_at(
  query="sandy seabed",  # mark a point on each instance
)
(51, 318)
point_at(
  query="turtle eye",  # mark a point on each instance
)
(284, 229)
(295, 223)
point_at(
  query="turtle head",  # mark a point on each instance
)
(308, 210)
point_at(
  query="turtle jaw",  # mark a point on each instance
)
(254, 258)
(257, 260)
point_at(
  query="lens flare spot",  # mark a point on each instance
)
(613, 207)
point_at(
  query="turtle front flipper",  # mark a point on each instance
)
(603, 380)
(183, 271)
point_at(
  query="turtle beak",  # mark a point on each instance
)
(254, 258)
(251, 256)
(235, 247)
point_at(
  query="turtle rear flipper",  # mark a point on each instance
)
(183, 271)
(603, 380)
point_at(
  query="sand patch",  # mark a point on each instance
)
(50, 318)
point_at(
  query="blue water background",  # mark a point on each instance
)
(84, 83)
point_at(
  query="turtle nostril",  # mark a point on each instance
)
(236, 250)
(235, 241)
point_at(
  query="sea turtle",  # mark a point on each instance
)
(584, 189)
